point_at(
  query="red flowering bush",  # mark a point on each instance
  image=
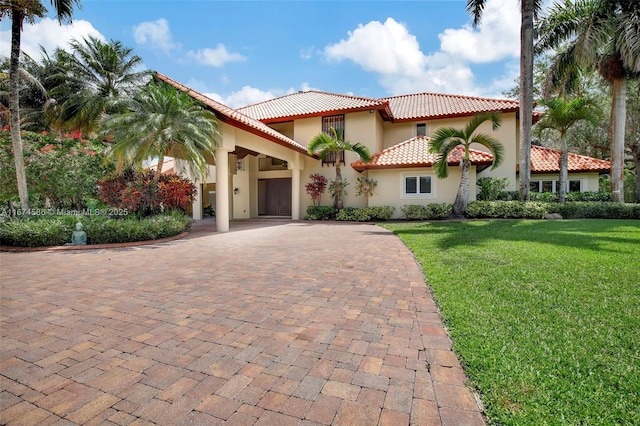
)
(316, 187)
(138, 192)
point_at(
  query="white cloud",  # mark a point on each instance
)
(48, 34)
(385, 48)
(214, 57)
(389, 50)
(246, 96)
(496, 38)
(156, 33)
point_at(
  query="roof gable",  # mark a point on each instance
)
(236, 118)
(309, 104)
(546, 160)
(415, 153)
(435, 105)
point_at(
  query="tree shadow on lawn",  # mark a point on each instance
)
(591, 234)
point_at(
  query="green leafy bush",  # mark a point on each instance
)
(489, 188)
(365, 214)
(428, 212)
(320, 213)
(506, 209)
(538, 210)
(56, 230)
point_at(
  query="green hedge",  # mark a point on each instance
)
(45, 231)
(538, 210)
(320, 213)
(428, 212)
(365, 214)
(552, 197)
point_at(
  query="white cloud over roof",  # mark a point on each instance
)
(214, 57)
(155, 33)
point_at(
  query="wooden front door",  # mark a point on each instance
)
(274, 197)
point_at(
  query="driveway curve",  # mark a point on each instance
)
(274, 323)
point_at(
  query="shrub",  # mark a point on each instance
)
(320, 213)
(365, 214)
(365, 186)
(316, 187)
(602, 210)
(138, 192)
(427, 212)
(506, 209)
(489, 188)
(56, 230)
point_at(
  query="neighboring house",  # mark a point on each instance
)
(262, 164)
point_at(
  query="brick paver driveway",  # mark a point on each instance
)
(295, 323)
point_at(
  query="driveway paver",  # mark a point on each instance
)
(274, 323)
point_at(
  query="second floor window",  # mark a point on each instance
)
(337, 122)
(421, 129)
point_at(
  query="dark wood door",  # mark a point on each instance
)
(274, 197)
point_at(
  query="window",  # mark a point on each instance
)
(574, 185)
(337, 122)
(417, 185)
(421, 129)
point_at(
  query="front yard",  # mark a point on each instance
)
(545, 315)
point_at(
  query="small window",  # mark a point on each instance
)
(421, 129)
(417, 185)
(534, 186)
(547, 186)
(575, 186)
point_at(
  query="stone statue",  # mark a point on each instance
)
(79, 237)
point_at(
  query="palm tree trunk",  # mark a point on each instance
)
(337, 200)
(14, 108)
(462, 198)
(564, 170)
(526, 95)
(618, 117)
(636, 162)
(159, 169)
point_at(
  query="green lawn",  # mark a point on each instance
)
(545, 315)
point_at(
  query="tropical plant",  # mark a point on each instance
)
(324, 144)
(446, 139)
(602, 34)
(529, 9)
(90, 78)
(316, 187)
(19, 12)
(160, 121)
(561, 114)
(365, 186)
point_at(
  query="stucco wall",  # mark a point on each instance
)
(389, 191)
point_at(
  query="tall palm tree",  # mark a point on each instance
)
(446, 139)
(324, 144)
(604, 34)
(529, 9)
(21, 10)
(161, 121)
(92, 76)
(560, 115)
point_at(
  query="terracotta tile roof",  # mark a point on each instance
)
(237, 119)
(434, 105)
(545, 160)
(309, 104)
(415, 153)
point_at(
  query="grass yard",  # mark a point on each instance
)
(545, 315)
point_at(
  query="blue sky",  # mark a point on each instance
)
(242, 52)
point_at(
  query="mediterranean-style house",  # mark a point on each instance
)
(261, 163)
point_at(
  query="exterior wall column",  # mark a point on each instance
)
(295, 193)
(222, 189)
(197, 203)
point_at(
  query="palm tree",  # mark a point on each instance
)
(529, 9)
(560, 115)
(21, 11)
(324, 144)
(597, 33)
(91, 77)
(446, 139)
(161, 121)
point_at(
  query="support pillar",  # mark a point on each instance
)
(222, 189)
(295, 194)
(197, 203)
